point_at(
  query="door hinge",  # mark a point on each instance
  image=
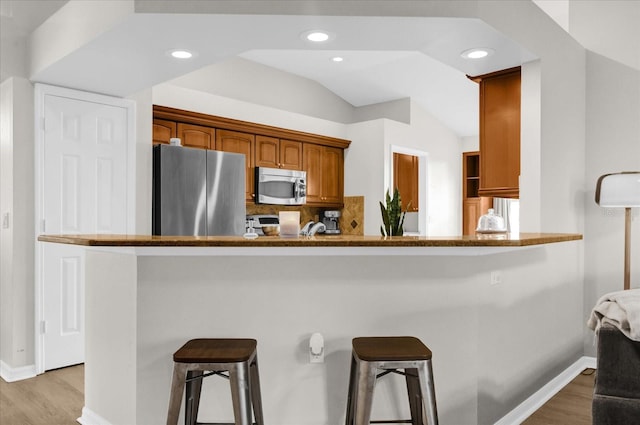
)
(43, 327)
(43, 225)
(43, 123)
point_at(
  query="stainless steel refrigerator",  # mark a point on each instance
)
(198, 192)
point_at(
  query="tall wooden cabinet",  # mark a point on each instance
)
(473, 205)
(500, 133)
(405, 178)
(325, 175)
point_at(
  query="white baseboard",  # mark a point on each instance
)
(540, 397)
(90, 418)
(12, 374)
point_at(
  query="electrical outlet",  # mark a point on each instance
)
(316, 348)
(496, 277)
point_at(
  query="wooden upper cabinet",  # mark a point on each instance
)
(290, 155)
(500, 133)
(196, 136)
(163, 130)
(263, 146)
(276, 153)
(405, 178)
(237, 142)
(325, 175)
(267, 152)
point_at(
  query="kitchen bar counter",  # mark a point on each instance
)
(484, 240)
(318, 245)
(472, 299)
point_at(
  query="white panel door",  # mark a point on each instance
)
(84, 191)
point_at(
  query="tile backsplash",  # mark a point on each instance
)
(351, 219)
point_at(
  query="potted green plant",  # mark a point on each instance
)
(392, 215)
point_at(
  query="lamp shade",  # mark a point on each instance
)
(619, 190)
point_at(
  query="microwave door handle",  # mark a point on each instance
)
(267, 179)
(299, 190)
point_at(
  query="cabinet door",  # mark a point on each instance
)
(325, 175)
(500, 135)
(163, 130)
(290, 155)
(312, 164)
(267, 152)
(332, 175)
(405, 178)
(470, 215)
(196, 136)
(472, 210)
(277, 153)
(235, 141)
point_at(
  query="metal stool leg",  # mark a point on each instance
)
(240, 395)
(415, 399)
(175, 397)
(256, 397)
(352, 392)
(425, 371)
(192, 396)
(366, 382)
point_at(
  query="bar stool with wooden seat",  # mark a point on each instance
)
(389, 355)
(200, 358)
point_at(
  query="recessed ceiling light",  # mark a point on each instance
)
(337, 59)
(181, 54)
(477, 53)
(316, 36)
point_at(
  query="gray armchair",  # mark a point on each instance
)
(616, 396)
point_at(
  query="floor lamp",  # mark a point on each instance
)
(621, 190)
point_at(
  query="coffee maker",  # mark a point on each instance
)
(330, 219)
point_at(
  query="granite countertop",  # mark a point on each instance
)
(480, 240)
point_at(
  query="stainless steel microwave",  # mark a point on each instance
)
(280, 187)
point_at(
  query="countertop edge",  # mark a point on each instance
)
(521, 240)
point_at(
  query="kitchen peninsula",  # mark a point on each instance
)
(147, 295)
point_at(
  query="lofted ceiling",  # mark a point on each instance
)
(385, 58)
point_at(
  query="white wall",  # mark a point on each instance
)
(363, 171)
(71, 27)
(195, 100)
(530, 148)
(144, 165)
(470, 144)
(17, 240)
(425, 133)
(613, 145)
(252, 82)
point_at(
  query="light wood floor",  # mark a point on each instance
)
(53, 398)
(572, 405)
(56, 398)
